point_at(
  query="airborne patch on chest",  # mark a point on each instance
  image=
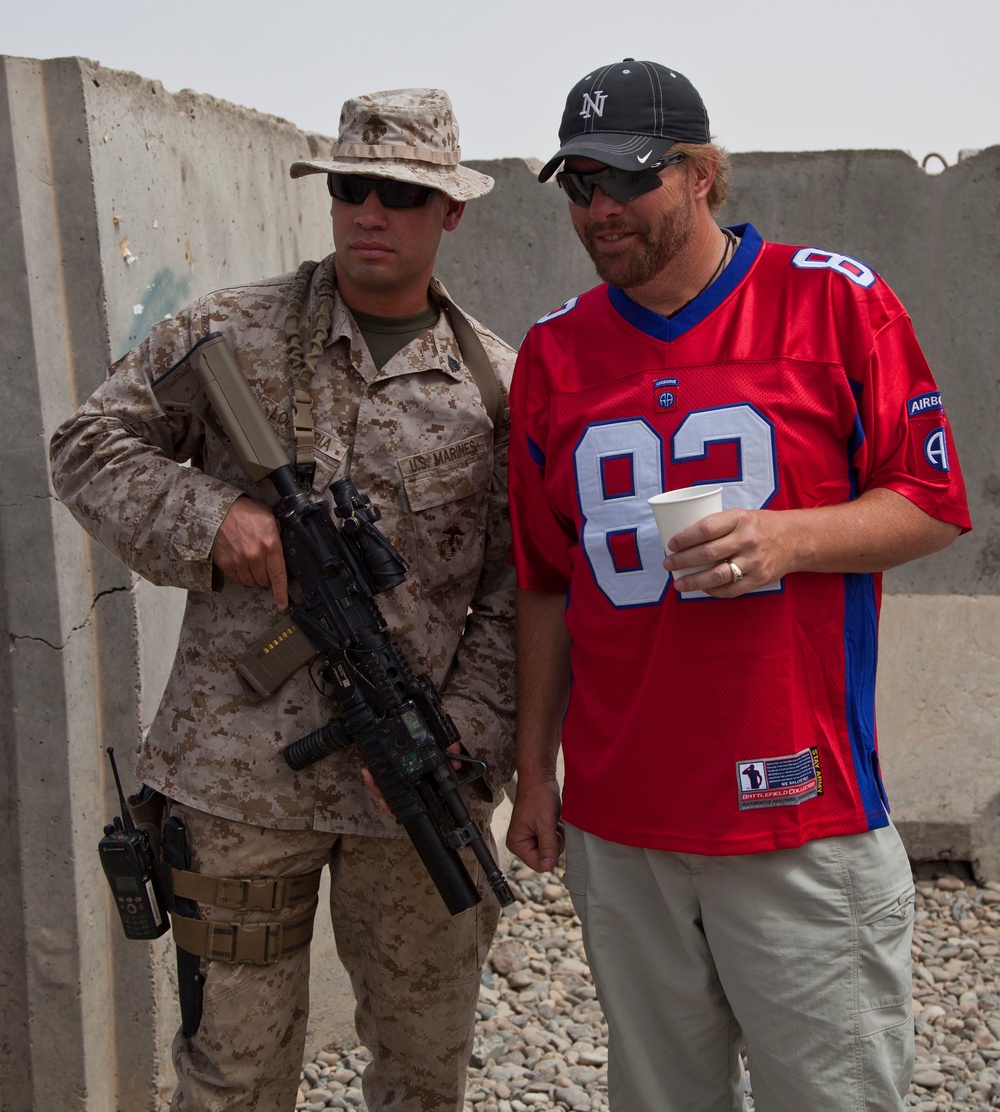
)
(665, 393)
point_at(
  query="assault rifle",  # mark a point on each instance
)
(394, 717)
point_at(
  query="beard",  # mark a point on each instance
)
(656, 246)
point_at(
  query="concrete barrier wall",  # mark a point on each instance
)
(120, 203)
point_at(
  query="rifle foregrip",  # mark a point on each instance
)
(443, 864)
(315, 746)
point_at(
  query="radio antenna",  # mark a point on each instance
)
(127, 822)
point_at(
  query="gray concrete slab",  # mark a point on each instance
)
(938, 692)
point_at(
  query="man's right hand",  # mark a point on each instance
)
(248, 549)
(535, 832)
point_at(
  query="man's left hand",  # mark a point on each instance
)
(879, 529)
(752, 540)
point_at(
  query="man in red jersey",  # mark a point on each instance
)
(728, 843)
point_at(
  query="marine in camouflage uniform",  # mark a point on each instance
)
(414, 435)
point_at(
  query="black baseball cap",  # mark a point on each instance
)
(629, 115)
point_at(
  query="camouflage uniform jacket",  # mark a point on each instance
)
(414, 436)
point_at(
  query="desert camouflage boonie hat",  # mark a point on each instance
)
(404, 134)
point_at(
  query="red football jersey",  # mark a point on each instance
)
(704, 725)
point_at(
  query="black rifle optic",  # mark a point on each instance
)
(395, 718)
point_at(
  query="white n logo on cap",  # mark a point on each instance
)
(593, 104)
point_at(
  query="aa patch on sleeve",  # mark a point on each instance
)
(779, 781)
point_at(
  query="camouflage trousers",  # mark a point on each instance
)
(414, 968)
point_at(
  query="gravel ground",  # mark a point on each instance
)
(541, 1040)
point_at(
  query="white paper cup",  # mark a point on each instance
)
(675, 510)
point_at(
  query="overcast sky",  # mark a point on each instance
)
(917, 75)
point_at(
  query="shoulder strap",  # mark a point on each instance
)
(302, 357)
(474, 354)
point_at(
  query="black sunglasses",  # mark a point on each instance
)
(620, 185)
(393, 194)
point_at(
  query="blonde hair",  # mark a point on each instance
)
(705, 156)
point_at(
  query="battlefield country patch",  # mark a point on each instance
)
(779, 781)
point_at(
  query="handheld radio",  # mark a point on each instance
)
(130, 866)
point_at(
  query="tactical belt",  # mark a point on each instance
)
(256, 943)
(253, 894)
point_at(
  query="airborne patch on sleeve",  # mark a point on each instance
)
(924, 403)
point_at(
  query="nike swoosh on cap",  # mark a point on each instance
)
(643, 158)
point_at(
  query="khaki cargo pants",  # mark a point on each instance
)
(802, 955)
(415, 971)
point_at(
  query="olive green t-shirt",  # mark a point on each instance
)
(387, 335)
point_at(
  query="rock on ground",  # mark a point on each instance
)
(542, 1043)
